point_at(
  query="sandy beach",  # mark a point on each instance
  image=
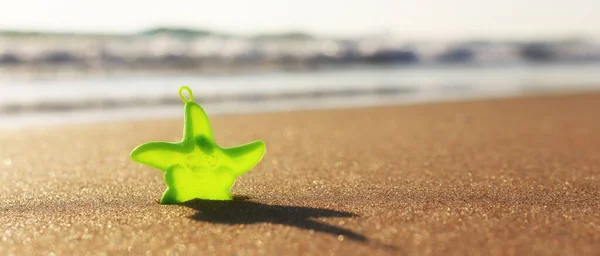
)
(487, 177)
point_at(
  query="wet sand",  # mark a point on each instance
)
(488, 177)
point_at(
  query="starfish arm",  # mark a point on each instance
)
(196, 122)
(160, 155)
(245, 157)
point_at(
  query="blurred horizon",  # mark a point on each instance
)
(186, 51)
(80, 60)
(427, 20)
(197, 31)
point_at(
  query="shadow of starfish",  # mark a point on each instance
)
(242, 211)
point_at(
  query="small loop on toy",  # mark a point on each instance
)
(189, 91)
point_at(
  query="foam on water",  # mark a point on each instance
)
(31, 102)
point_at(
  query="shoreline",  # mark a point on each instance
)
(80, 100)
(267, 105)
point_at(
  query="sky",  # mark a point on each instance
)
(416, 18)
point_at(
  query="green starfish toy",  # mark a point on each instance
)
(197, 167)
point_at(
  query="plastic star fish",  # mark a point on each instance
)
(197, 167)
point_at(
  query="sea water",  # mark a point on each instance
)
(25, 102)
